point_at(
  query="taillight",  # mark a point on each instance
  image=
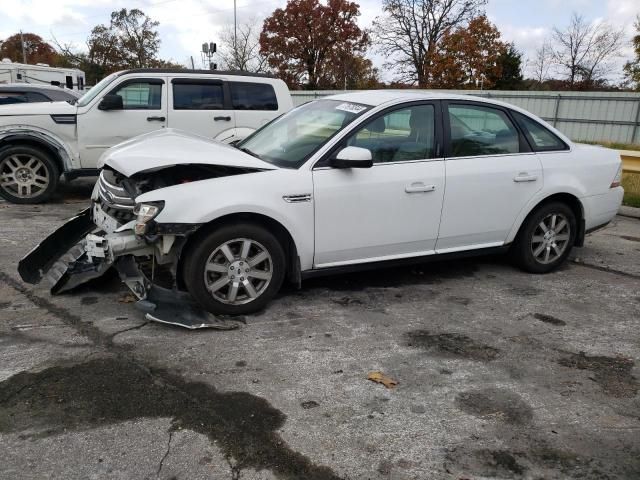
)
(617, 180)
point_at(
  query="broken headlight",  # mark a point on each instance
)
(146, 212)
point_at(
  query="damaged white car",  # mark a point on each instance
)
(347, 182)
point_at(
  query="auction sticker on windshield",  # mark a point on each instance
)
(351, 107)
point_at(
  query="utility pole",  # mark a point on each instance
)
(235, 33)
(24, 52)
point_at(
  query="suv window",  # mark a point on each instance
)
(37, 97)
(198, 95)
(478, 130)
(401, 135)
(8, 98)
(142, 95)
(253, 96)
(540, 138)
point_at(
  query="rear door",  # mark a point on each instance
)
(491, 175)
(255, 104)
(201, 106)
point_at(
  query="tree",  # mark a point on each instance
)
(542, 62)
(632, 67)
(409, 33)
(307, 41)
(36, 49)
(468, 56)
(242, 51)
(510, 67)
(137, 34)
(583, 50)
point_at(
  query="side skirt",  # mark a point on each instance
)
(321, 272)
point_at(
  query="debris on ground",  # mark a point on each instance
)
(128, 298)
(380, 377)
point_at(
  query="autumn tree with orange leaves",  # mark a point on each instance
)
(315, 45)
(469, 56)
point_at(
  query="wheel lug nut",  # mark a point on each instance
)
(232, 277)
(231, 268)
(247, 270)
(242, 279)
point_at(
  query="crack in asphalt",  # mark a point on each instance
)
(607, 270)
(166, 454)
(137, 327)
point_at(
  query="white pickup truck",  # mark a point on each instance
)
(41, 141)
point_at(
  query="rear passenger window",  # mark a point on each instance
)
(37, 97)
(540, 138)
(198, 96)
(478, 130)
(253, 96)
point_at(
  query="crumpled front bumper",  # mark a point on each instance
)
(80, 250)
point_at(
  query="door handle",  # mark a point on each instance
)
(156, 119)
(419, 187)
(226, 119)
(525, 177)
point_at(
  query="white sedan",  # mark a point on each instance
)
(350, 181)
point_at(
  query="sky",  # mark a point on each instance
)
(186, 24)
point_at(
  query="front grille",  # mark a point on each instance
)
(114, 199)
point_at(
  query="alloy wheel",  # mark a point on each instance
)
(550, 238)
(238, 271)
(23, 175)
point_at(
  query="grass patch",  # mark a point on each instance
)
(631, 184)
(614, 145)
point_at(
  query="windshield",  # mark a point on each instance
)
(94, 91)
(291, 139)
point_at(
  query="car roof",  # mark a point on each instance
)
(186, 71)
(381, 97)
(45, 89)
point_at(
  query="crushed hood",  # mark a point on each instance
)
(37, 108)
(168, 147)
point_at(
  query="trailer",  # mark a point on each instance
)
(41, 74)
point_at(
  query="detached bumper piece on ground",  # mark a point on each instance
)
(78, 252)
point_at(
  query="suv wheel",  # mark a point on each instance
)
(27, 174)
(235, 270)
(546, 238)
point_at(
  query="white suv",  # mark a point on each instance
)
(38, 142)
(352, 181)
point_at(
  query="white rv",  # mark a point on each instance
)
(41, 74)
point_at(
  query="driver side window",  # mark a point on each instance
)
(401, 135)
(140, 95)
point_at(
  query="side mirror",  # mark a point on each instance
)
(352, 157)
(111, 102)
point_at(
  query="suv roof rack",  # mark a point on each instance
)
(186, 71)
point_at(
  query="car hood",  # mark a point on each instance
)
(37, 108)
(169, 147)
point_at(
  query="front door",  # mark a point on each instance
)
(144, 110)
(391, 210)
(201, 106)
(491, 176)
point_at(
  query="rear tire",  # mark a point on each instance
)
(27, 174)
(235, 270)
(546, 238)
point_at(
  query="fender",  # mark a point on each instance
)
(43, 137)
(535, 201)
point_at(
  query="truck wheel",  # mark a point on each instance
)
(235, 270)
(27, 174)
(546, 238)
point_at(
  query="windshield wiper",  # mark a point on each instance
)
(246, 150)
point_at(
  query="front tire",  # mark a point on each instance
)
(546, 238)
(235, 270)
(27, 174)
